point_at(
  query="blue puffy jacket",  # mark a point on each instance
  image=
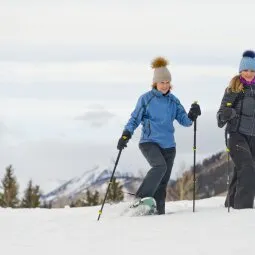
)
(157, 112)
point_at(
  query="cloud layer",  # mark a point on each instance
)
(71, 73)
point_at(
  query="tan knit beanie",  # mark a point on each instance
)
(161, 73)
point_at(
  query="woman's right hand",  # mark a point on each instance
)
(122, 143)
(228, 114)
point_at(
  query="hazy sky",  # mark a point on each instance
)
(72, 71)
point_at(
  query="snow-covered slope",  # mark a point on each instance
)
(211, 230)
(95, 178)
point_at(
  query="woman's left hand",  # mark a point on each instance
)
(194, 111)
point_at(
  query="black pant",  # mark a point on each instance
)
(156, 180)
(242, 187)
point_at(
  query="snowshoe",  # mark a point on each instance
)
(142, 206)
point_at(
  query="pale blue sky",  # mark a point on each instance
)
(71, 72)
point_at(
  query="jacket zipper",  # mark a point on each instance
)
(149, 126)
(253, 117)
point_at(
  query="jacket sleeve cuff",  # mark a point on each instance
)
(127, 134)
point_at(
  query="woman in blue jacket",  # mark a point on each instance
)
(156, 110)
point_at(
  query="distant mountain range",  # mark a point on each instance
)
(94, 179)
(211, 180)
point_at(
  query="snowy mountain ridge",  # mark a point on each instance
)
(91, 179)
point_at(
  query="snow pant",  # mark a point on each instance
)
(242, 187)
(156, 180)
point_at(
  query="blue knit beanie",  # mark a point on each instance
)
(247, 61)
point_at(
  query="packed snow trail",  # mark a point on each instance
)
(210, 230)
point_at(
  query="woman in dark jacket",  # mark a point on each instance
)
(156, 110)
(237, 110)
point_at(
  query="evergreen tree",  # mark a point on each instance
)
(1, 199)
(27, 200)
(96, 198)
(89, 198)
(115, 192)
(10, 189)
(32, 196)
(92, 198)
(79, 203)
(36, 194)
(72, 204)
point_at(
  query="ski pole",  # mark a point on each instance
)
(228, 177)
(116, 163)
(228, 159)
(194, 165)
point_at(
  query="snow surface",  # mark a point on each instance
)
(210, 230)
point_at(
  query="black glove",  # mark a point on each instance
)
(194, 111)
(227, 114)
(122, 143)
